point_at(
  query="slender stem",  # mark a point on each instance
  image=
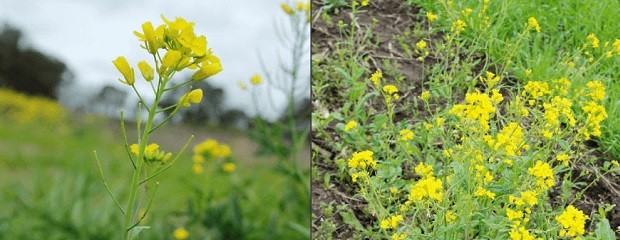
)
(125, 139)
(106, 183)
(136, 174)
(176, 86)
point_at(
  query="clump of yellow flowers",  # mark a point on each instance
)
(173, 47)
(211, 149)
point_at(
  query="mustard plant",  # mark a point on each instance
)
(173, 47)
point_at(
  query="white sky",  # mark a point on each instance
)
(87, 35)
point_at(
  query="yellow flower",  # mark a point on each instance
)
(425, 171)
(563, 158)
(458, 26)
(365, 3)
(208, 68)
(146, 70)
(533, 23)
(520, 234)
(171, 59)
(596, 90)
(287, 9)
(406, 135)
(151, 36)
(481, 192)
(197, 158)
(529, 197)
(195, 96)
(180, 234)
(376, 77)
(391, 222)
(491, 79)
(197, 169)
(616, 46)
(430, 187)
(362, 160)
(228, 167)
(421, 44)
(425, 95)
(397, 236)
(593, 40)
(391, 90)
(256, 79)
(543, 173)
(450, 216)
(151, 153)
(431, 17)
(350, 125)
(123, 66)
(572, 221)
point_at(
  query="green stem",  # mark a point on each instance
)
(135, 181)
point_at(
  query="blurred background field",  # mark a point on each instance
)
(60, 101)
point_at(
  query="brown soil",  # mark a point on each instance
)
(393, 18)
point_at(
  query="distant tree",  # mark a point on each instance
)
(28, 70)
(108, 101)
(234, 118)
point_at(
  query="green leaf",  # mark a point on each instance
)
(603, 230)
(134, 232)
(349, 218)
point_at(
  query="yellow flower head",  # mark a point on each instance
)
(430, 187)
(391, 222)
(146, 70)
(256, 79)
(543, 174)
(228, 167)
(406, 135)
(596, 90)
(362, 160)
(572, 221)
(563, 158)
(392, 91)
(209, 67)
(287, 9)
(180, 234)
(450, 216)
(431, 17)
(376, 77)
(593, 40)
(171, 59)
(533, 23)
(350, 125)
(425, 171)
(195, 96)
(458, 26)
(365, 3)
(421, 44)
(123, 66)
(425, 95)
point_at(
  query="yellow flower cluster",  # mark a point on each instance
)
(458, 26)
(533, 23)
(423, 170)
(195, 96)
(563, 158)
(596, 90)
(211, 149)
(535, 90)
(592, 41)
(375, 78)
(300, 8)
(21, 108)
(391, 222)
(509, 139)
(490, 80)
(350, 125)
(482, 192)
(391, 91)
(183, 49)
(406, 135)
(543, 174)
(362, 160)
(572, 221)
(431, 16)
(430, 187)
(520, 234)
(180, 234)
(595, 115)
(479, 107)
(152, 153)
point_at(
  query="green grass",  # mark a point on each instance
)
(51, 187)
(564, 28)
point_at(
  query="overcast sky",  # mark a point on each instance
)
(87, 35)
